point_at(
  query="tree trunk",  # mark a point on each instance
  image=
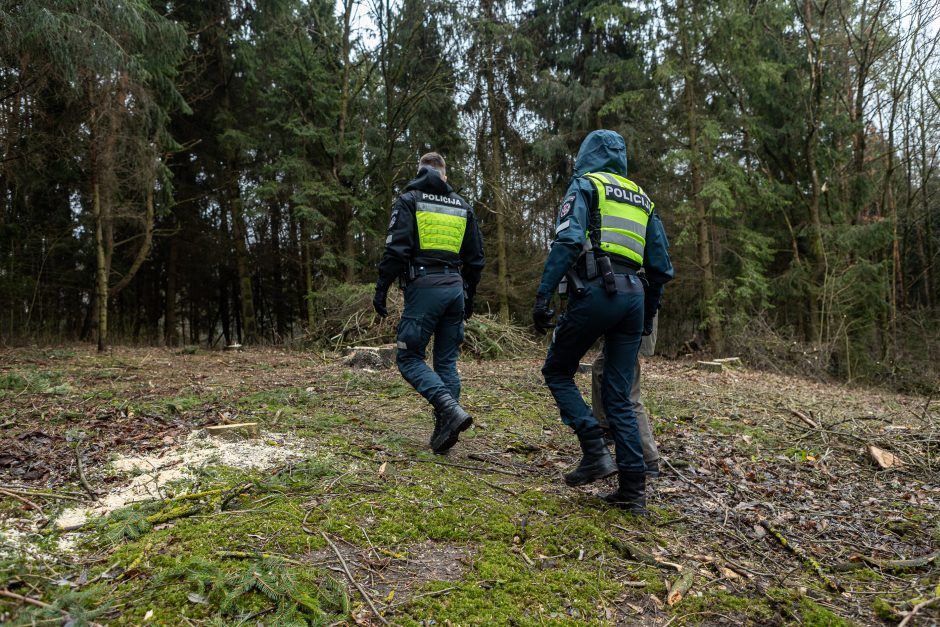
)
(277, 281)
(170, 331)
(101, 267)
(494, 180)
(703, 227)
(307, 262)
(239, 239)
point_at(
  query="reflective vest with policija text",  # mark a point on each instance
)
(442, 222)
(624, 213)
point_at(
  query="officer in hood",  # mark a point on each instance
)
(605, 232)
(435, 249)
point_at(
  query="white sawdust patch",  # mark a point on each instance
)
(17, 539)
(152, 472)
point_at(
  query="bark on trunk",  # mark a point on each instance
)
(101, 268)
(170, 330)
(239, 237)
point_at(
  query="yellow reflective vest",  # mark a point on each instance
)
(625, 210)
(442, 222)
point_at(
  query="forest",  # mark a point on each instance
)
(220, 172)
(200, 421)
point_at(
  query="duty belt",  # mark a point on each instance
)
(588, 271)
(415, 271)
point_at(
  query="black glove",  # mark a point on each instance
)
(467, 307)
(542, 315)
(647, 326)
(378, 301)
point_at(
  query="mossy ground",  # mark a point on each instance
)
(487, 535)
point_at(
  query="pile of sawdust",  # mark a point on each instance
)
(152, 472)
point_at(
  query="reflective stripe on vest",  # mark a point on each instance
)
(440, 227)
(625, 210)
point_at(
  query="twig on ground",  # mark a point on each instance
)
(433, 593)
(37, 603)
(453, 465)
(699, 488)
(30, 601)
(806, 419)
(48, 495)
(81, 472)
(802, 556)
(859, 561)
(499, 487)
(24, 500)
(353, 580)
(241, 555)
(916, 609)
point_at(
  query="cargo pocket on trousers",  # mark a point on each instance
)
(410, 332)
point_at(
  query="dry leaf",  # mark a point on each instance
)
(382, 469)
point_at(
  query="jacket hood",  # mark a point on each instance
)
(602, 151)
(429, 180)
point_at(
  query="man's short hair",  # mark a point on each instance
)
(434, 160)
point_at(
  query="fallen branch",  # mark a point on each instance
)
(680, 587)
(81, 473)
(353, 580)
(244, 555)
(37, 603)
(499, 487)
(24, 500)
(433, 593)
(860, 561)
(916, 609)
(699, 488)
(805, 418)
(802, 556)
(30, 601)
(48, 495)
(464, 466)
(644, 557)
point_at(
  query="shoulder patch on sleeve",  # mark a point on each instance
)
(394, 219)
(566, 206)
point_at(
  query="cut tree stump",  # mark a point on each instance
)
(370, 356)
(241, 429)
(584, 368)
(710, 366)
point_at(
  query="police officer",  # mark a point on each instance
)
(606, 230)
(435, 249)
(647, 440)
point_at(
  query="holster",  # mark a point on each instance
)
(575, 284)
(606, 269)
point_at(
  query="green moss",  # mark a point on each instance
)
(866, 574)
(744, 609)
(885, 611)
(814, 615)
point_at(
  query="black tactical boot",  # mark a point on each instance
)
(631, 495)
(438, 421)
(453, 420)
(595, 464)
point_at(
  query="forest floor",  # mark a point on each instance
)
(769, 510)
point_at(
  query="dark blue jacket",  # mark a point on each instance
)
(601, 151)
(402, 245)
